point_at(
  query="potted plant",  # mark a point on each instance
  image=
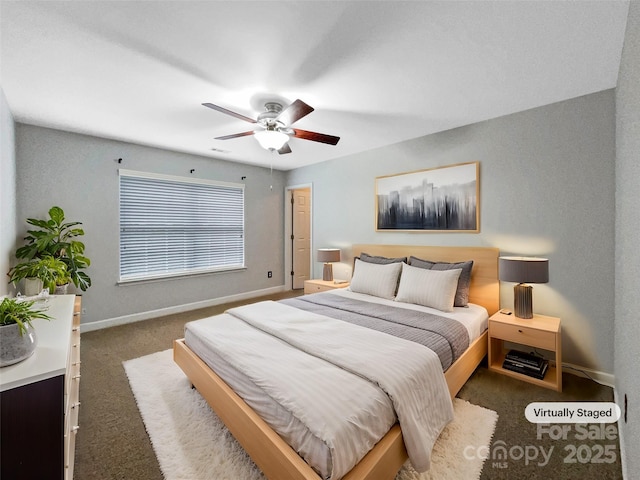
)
(38, 273)
(17, 336)
(58, 239)
(62, 283)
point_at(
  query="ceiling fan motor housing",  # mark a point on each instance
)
(268, 117)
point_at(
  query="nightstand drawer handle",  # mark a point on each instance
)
(519, 331)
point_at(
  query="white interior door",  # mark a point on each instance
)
(301, 236)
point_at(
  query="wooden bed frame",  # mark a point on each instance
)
(276, 459)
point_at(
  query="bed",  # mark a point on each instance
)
(271, 453)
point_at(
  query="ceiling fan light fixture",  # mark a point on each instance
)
(271, 139)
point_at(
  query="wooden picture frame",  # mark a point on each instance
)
(443, 199)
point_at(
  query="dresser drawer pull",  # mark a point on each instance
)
(75, 428)
(75, 329)
(75, 377)
(76, 404)
(519, 331)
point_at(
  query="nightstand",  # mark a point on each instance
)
(315, 286)
(539, 332)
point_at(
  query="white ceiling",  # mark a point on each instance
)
(376, 72)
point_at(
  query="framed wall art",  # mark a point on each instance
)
(443, 199)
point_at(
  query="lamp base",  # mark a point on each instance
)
(523, 300)
(327, 272)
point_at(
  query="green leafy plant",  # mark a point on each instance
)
(52, 271)
(13, 310)
(58, 239)
(63, 278)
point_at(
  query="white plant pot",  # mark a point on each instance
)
(15, 347)
(32, 286)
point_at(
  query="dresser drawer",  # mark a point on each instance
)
(73, 364)
(524, 335)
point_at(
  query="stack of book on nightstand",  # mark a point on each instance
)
(526, 363)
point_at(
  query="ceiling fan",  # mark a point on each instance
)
(275, 126)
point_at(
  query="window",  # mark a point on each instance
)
(171, 226)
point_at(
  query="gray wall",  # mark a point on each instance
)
(79, 174)
(7, 189)
(546, 188)
(627, 301)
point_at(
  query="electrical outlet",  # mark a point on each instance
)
(269, 274)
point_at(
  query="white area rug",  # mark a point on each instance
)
(191, 443)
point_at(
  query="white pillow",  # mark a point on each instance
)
(375, 279)
(431, 288)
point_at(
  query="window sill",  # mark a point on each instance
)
(177, 276)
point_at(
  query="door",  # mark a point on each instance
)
(301, 236)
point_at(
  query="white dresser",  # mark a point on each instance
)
(39, 399)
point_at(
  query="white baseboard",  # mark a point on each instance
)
(607, 379)
(137, 317)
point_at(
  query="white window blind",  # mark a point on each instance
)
(172, 226)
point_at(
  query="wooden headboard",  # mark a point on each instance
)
(485, 287)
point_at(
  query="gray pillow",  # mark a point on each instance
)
(365, 257)
(464, 282)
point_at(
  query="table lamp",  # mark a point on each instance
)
(328, 255)
(523, 270)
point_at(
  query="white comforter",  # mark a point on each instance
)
(409, 373)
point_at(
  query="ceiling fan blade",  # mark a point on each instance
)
(284, 149)
(229, 112)
(316, 137)
(234, 135)
(294, 112)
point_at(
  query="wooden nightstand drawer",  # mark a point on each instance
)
(315, 286)
(524, 335)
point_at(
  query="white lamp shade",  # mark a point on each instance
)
(271, 139)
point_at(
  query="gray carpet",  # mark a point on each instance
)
(112, 442)
(509, 397)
